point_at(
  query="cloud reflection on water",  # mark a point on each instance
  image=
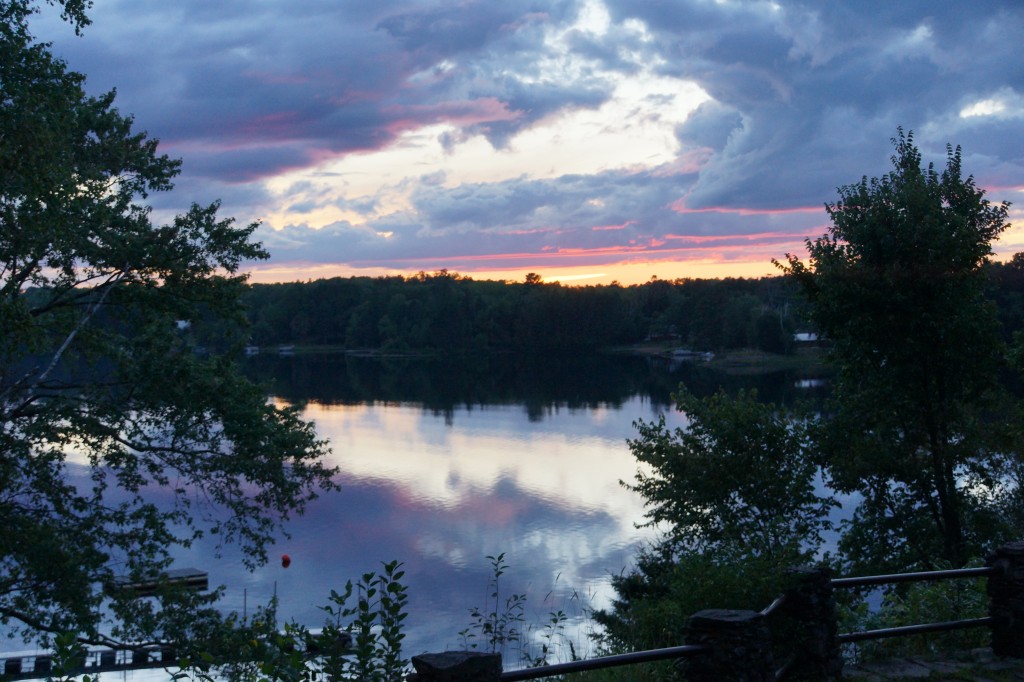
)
(441, 465)
(442, 492)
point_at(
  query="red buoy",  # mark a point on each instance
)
(286, 561)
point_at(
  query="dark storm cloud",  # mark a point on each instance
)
(811, 92)
(496, 48)
(710, 125)
(805, 98)
(318, 77)
(444, 31)
(532, 103)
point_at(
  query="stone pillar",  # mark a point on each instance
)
(457, 666)
(810, 610)
(1006, 599)
(740, 647)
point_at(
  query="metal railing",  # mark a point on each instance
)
(777, 607)
(782, 607)
(902, 631)
(602, 662)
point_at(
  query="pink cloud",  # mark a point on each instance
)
(679, 206)
(602, 228)
(277, 121)
(741, 258)
(539, 230)
(458, 112)
(690, 161)
(525, 20)
(581, 257)
(494, 511)
(353, 96)
(763, 237)
(698, 247)
(999, 189)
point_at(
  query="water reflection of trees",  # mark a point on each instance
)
(539, 382)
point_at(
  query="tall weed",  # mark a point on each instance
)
(361, 640)
(501, 626)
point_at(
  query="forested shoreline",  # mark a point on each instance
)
(450, 313)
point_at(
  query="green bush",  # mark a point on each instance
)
(915, 604)
(668, 585)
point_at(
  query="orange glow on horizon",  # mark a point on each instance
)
(583, 275)
(693, 257)
(574, 278)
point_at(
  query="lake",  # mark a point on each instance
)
(443, 464)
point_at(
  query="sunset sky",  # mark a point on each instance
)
(584, 140)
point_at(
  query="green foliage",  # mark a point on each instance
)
(501, 625)
(735, 493)
(670, 583)
(449, 313)
(116, 371)
(498, 624)
(379, 614)
(68, 659)
(920, 427)
(552, 638)
(918, 419)
(360, 640)
(737, 482)
(918, 603)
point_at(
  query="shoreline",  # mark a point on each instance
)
(743, 360)
(809, 360)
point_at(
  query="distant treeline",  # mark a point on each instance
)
(446, 312)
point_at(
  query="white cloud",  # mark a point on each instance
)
(1004, 104)
(633, 129)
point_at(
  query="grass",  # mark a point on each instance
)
(749, 361)
(974, 665)
(744, 360)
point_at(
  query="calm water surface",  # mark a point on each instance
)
(442, 464)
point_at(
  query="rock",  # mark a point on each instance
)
(457, 666)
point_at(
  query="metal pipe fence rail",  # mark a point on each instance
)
(725, 644)
(892, 578)
(720, 644)
(602, 662)
(906, 630)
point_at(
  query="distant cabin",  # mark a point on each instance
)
(684, 354)
(187, 578)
